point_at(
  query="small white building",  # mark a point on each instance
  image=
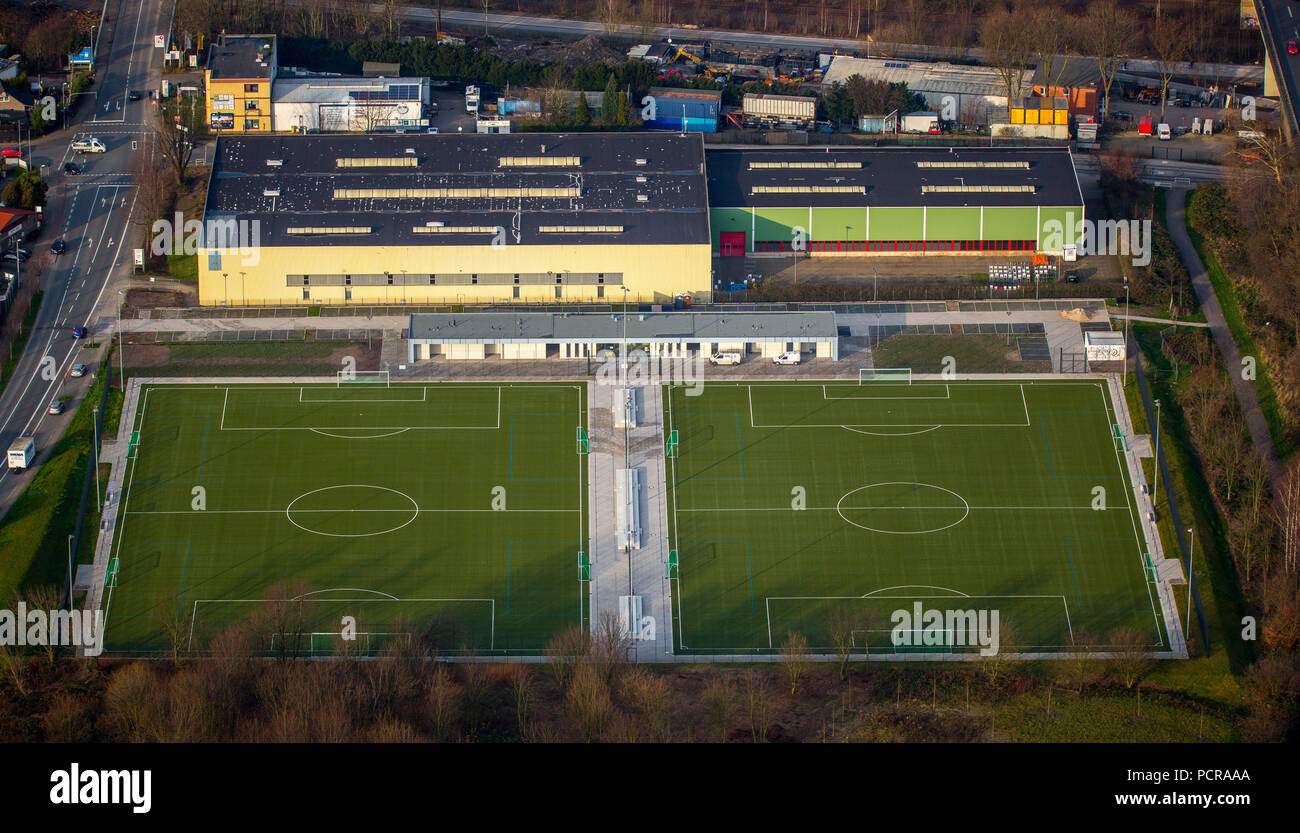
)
(576, 335)
(348, 105)
(1104, 346)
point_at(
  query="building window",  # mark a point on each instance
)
(347, 293)
(252, 124)
(390, 279)
(515, 290)
(559, 292)
(306, 294)
(347, 280)
(516, 281)
(473, 280)
(600, 292)
(250, 105)
(306, 279)
(433, 279)
(250, 88)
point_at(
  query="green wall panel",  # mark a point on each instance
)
(952, 223)
(839, 224)
(1060, 215)
(779, 223)
(896, 223)
(1010, 223)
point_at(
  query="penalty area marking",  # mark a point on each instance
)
(384, 597)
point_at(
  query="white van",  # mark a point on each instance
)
(790, 357)
(88, 145)
(724, 358)
(1163, 133)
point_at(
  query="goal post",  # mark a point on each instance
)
(670, 445)
(372, 378)
(885, 374)
(583, 441)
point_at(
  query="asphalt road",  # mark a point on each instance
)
(1281, 24)
(91, 212)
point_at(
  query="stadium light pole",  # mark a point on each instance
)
(1155, 487)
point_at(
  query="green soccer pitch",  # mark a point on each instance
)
(453, 513)
(823, 508)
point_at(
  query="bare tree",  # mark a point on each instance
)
(1132, 656)
(588, 701)
(1007, 38)
(564, 651)
(521, 689)
(646, 694)
(756, 704)
(173, 129)
(444, 701)
(609, 645)
(1169, 43)
(1287, 517)
(13, 662)
(1108, 33)
(720, 704)
(843, 622)
(794, 656)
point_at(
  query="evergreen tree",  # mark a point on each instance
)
(609, 105)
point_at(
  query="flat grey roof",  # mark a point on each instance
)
(340, 90)
(892, 177)
(624, 188)
(235, 56)
(499, 327)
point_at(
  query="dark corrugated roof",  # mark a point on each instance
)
(244, 187)
(890, 176)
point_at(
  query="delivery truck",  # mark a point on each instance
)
(21, 453)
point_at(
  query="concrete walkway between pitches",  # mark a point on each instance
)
(616, 572)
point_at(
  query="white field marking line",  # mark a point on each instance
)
(1137, 533)
(324, 511)
(492, 638)
(120, 529)
(927, 425)
(326, 433)
(393, 428)
(947, 394)
(956, 593)
(304, 596)
(767, 604)
(834, 509)
(891, 433)
(584, 529)
(677, 600)
(424, 395)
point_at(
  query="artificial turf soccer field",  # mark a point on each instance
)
(970, 494)
(363, 500)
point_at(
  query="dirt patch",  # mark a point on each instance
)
(145, 358)
(138, 299)
(592, 49)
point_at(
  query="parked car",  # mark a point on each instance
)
(78, 370)
(725, 358)
(80, 332)
(433, 130)
(11, 153)
(789, 357)
(56, 407)
(71, 168)
(58, 246)
(133, 96)
(1292, 48)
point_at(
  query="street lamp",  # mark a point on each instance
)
(1155, 487)
(1125, 382)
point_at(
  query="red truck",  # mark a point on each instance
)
(1144, 126)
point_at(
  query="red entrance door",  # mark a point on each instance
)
(731, 243)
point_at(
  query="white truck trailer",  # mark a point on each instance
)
(21, 453)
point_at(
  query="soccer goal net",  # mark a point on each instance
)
(347, 378)
(885, 374)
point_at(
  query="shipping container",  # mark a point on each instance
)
(775, 109)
